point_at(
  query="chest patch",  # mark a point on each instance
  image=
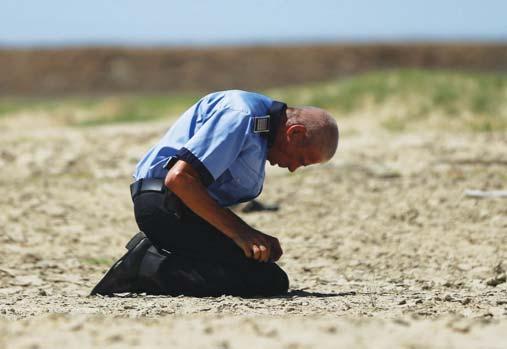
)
(261, 124)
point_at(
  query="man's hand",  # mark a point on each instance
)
(259, 246)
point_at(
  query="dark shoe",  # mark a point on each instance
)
(257, 206)
(131, 273)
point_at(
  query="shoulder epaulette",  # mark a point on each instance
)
(261, 124)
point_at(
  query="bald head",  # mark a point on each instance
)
(321, 128)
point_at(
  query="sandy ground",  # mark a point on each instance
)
(382, 247)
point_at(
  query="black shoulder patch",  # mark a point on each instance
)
(261, 124)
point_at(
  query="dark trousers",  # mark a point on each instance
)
(215, 264)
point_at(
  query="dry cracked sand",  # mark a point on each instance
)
(382, 247)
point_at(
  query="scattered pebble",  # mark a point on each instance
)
(497, 280)
(448, 298)
(466, 301)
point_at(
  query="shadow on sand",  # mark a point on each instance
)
(302, 293)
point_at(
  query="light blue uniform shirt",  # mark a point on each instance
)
(224, 137)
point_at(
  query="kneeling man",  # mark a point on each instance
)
(214, 157)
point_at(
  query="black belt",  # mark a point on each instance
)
(171, 202)
(144, 185)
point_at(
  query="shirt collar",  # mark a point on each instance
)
(276, 113)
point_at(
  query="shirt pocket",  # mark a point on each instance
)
(234, 186)
(247, 178)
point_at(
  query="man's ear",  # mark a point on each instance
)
(296, 133)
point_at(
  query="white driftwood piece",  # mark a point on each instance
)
(486, 193)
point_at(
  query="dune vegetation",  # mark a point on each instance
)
(400, 98)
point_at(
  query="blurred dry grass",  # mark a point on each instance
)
(412, 98)
(400, 98)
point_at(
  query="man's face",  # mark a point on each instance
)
(292, 155)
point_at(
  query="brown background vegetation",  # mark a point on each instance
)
(105, 70)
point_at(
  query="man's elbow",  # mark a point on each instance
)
(174, 179)
(177, 179)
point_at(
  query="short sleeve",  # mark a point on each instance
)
(217, 143)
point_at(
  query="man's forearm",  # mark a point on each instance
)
(187, 186)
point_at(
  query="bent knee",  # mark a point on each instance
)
(281, 280)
